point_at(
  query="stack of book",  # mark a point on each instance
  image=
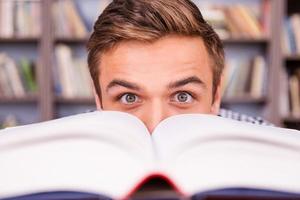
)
(245, 78)
(20, 18)
(238, 21)
(67, 21)
(16, 80)
(294, 90)
(71, 75)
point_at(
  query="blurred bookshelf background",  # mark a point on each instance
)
(44, 75)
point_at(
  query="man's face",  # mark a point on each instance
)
(154, 81)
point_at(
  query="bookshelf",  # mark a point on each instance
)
(290, 59)
(18, 40)
(19, 44)
(245, 100)
(46, 104)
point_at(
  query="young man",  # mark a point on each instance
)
(155, 59)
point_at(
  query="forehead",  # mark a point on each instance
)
(168, 58)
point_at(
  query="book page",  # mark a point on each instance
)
(100, 152)
(203, 152)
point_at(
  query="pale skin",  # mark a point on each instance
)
(154, 81)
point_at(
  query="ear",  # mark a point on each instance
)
(215, 108)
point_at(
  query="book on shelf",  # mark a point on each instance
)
(294, 88)
(89, 11)
(284, 99)
(71, 75)
(265, 17)
(67, 20)
(20, 19)
(243, 22)
(29, 78)
(238, 21)
(244, 77)
(16, 80)
(291, 35)
(111, 154)
(216, 17)
(258, 77)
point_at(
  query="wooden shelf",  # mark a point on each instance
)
(256, 41)
(244, 100)
(71, 40)
(77, 100)
(291, 119)
(20, 40)
(226, 41)
(291, 122)
(292, 58)
(18, 100)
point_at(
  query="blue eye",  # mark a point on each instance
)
(183, 97)
(129, 98)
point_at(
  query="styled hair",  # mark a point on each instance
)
(148, 21)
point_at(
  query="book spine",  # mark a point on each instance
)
(14, 78)
(7, 29)
(28, 75)
(295, 23)
(64, 63)
(291, 36)
(266, 17)
(4, 77)
(294, 95)
(257, 78)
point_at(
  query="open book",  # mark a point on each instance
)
(112, 153)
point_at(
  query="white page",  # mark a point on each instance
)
(99, 152)
(201, 152)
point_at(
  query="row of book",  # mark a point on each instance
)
(245, 78)
(16, 79)
(229, 21)
(239, 21)
(67, 21)
(70, 19)
(71, 75)
(294, 93)
(291, 35)
(75, 18)
(20, 18)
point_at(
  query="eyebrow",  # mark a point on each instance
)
(122, 83)
(185, 81)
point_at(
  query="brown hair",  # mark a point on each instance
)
(148, 21)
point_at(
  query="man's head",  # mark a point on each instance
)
(154, 59)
